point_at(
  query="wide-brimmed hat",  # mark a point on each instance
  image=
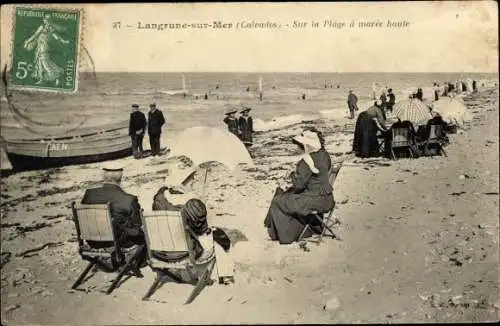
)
(245, 109)
(152, 105)
(231, 112)
(310, 139)
(177, 176)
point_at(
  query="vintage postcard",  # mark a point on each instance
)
(249, 163)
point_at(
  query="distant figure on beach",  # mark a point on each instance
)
(206, 96)
(369, 122)
(310, 191)
(352, 103)
(155, 123)
(177, 195)
(391, 101)
(436, 91)
(245, 124)
(231, 122)
(248, 89)
(125, 210)
(304, 96)
(136, 130)
(420, 94)
(474, 86)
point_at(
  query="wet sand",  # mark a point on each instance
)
(419, 240)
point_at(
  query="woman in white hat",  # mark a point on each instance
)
(175, 193)
(311, 191)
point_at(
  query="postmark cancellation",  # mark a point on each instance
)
(45, 49)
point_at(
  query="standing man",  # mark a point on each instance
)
(352, 103)
(155, 122)
(246, 127)
(392, 99)
(136, 130)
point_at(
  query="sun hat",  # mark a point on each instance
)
(310, 139)
(195, 214)
(245, 109)
(112, 171)
(177, 176)
(231, 111)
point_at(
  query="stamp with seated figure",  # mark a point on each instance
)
(45, 49)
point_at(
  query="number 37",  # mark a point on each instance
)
(22, 69)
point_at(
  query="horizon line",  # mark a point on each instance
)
(297, 72)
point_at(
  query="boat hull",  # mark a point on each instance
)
(29, 154)
(25, 162)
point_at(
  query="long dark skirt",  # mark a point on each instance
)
(365, 142)
(289, 213)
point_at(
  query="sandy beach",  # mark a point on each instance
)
(419, 239)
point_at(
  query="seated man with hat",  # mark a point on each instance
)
(177, 195)
(311, 191)
(246, 127)
(231, 122)
(125, 208)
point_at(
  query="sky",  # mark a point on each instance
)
(448, 36)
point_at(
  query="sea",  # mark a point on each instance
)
(194, 99)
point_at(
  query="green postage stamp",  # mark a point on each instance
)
(45, 49)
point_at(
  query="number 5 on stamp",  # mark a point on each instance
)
(45, 49)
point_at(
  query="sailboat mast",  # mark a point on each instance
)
(260, 88)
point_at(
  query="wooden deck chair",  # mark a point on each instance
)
(325, 219)
(93, 223)
(402, 138)
(168, 235)
(437, 138)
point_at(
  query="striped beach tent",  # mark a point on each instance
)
(413, 110)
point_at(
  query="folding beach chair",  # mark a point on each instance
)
(436, 139)
(93, 223)
(324, 219)
(170, 252)
(402, 138)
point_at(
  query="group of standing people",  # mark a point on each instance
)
(137, 129)
(242, 127)
(387, 102)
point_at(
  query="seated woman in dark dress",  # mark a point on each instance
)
(311, 191)
(370, 121)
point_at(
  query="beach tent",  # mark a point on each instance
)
(413, 110)
(205, 144)
(452, 111)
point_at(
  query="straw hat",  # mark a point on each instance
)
(231, 111)
(177, 176)
(245, 109)
(310, 140)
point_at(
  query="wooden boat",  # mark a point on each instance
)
(84, 145)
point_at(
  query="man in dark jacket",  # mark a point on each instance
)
(155, 122)
(352, 103)
(136, 130)
(125, 208)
